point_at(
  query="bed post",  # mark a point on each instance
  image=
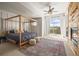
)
(21, 42)
(30, 24)
(20, 30)
(6, 24)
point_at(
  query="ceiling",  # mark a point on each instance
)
(34, 8)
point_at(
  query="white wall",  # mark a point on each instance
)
(63, 25)
(11, 25)
(45, 24)
(38, 27)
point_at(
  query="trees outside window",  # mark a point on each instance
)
(55, 26)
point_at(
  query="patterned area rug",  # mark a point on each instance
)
(45, 47)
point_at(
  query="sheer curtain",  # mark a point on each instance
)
(46, 25)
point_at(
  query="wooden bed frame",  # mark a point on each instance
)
(21, 44)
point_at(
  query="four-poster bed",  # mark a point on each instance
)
(20, 38)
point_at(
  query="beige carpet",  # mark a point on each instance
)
(8, 49)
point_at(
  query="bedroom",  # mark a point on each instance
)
(24, 29)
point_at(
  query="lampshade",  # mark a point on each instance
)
(34, 23)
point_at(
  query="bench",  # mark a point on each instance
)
(2, 38)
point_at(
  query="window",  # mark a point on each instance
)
(55, 26)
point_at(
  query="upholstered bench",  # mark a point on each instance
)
(32, 41)
(37, 39)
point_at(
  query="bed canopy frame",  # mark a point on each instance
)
(20, 18)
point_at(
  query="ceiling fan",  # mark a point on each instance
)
(50, 11)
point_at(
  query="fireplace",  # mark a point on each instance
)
(74, 36)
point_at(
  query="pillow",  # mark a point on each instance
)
(12, 31)
(19, 31)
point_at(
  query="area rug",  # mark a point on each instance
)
(45, 47)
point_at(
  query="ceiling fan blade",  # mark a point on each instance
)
(52, 9)
(50, 12)
(45, 11)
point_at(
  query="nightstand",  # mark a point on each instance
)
(2, 38)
